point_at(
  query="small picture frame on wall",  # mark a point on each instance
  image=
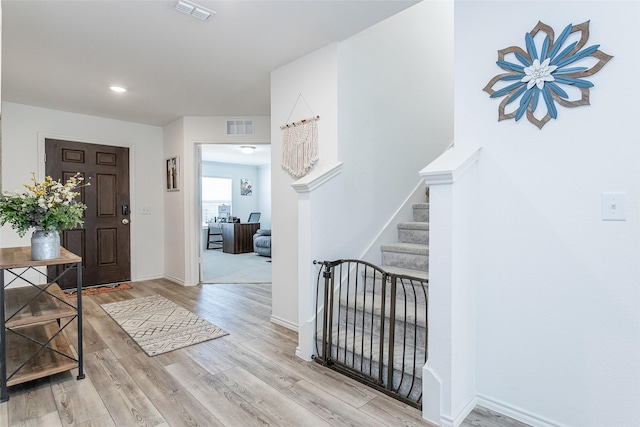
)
(246, 189)
(172, 173)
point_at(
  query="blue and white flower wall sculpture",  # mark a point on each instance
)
(554, 69)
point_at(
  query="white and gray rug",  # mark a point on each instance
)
(158, 325)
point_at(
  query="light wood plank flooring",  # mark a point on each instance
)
(248, 378)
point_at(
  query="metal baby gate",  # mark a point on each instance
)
(372, 326)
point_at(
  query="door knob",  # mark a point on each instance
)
(125, 221)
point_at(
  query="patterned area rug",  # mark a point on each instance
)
(98, 290)
(158, 325)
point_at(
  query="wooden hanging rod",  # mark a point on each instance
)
(300, 122)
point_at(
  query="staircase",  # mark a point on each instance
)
(363, 308)
(410, 256)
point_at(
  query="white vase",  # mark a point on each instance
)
(45, 244)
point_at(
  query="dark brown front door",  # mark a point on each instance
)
(104, 241)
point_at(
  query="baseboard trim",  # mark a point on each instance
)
(175, 280)
(285, 323)
(142, 279)
(458, 418)
(516, 412)
(465, 411)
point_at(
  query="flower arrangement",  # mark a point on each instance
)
(48, 205)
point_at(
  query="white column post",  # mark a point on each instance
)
(306, 273)
(448, 381)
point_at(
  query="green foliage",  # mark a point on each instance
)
(47, 205)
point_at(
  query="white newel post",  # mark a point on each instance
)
(448, 378)
(305, 282)
(306, 272)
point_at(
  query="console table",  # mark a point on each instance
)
(33, 343)
(237, 238)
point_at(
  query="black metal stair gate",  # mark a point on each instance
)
(371, 325)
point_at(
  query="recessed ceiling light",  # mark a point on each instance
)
(118, 89)
(247, 149)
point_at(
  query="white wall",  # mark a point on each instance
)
(558, 301)
(396, 115)
(315, 76)
(23, 131)
(175, 227)
(213, 130)
(242, 206)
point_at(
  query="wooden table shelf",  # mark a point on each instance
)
(33, 318)
(28, 305)
(46, 362)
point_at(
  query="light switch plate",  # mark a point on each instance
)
(614, 206)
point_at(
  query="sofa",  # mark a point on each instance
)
(262, 242)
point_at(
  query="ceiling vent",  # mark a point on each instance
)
(239, 127)
(194, 10)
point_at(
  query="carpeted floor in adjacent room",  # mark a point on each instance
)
(219, 267)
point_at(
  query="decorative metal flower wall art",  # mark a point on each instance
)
(555, 69)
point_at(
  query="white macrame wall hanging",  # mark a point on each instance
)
(300, 143)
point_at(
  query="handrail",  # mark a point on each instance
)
(450, 165)
(316, 178)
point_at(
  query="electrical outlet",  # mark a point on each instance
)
(614, 206)
(145, 211)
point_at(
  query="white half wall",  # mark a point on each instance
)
(23, 131)
(315, 76)
(558, 301)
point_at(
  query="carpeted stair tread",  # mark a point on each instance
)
(409, 285)
(374, 305)
(408, 248)
(356, 335)
(414, 225)
(419, 274)
(400, 271)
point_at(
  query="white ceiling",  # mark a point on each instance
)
(64, 55)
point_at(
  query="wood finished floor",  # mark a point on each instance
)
(248, 378)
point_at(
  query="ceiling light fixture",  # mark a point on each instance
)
(118, 89)
(247, 149)
(194, 10)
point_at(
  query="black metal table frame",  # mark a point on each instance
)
(4, 396)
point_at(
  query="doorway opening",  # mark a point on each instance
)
(234, 188)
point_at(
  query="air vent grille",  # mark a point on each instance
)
(193, 10)
(201, 13)
(239, 127)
